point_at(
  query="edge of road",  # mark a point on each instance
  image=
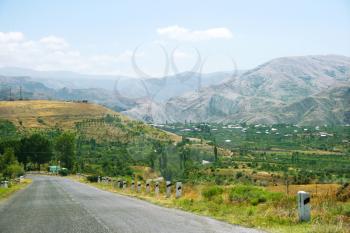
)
(14, 190)
(161, 202)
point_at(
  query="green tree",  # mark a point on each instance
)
(65, 147)
(36, 148)
(215, 153)
(9, 165)
(152, 156)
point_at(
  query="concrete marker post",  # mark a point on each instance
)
(178, 189)
(138, 186)
(147, 186)
(304, 206)
(168, 188)
(132, 185)
(99, 179)
(6, 184)
(124, 184)
(156, 188)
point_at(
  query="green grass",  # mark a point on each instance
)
(6, 192)
(251, 206)
(252, 195)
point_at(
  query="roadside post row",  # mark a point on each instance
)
(5, 183)
(302, 197)
(122, 184)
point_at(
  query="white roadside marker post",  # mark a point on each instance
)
(138, 186)
(168, 188)
(21, 179)
(124, 184)
(6, 184)
(156, 189)
(99, 179)
(178, 189)
(304, 206)
(147, 186)
(132, 185)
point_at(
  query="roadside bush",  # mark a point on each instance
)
(252, 194)
(346, 210)
(343, 193)
(92, 178)
(14, 170)
(210, 192)
(63, 172)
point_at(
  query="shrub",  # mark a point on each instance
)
(93, 178)
(239, 175)
(63, 172)
(346, 210)
(251, 194)
(343, 193)
(210, 192)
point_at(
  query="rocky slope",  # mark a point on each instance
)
(305, 90)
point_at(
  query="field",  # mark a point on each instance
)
(299, 154)
(46, 114)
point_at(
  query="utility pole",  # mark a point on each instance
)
(20, 93)
(10, 94)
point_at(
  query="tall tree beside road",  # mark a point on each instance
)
(65, 146)
(36, 148)
(9, 166)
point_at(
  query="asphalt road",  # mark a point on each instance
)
(54, 204)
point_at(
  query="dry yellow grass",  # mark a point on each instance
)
(47, 114)
(52, 113)
(279, 216)
(313, 189)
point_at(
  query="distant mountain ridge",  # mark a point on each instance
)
(300, 90)
(120, 94)
(161, 89)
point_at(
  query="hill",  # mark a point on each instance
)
(45, 113)
(48, 114)
(270, 93)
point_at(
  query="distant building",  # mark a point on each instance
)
(54, 169)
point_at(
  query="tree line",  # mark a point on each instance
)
(31, 152)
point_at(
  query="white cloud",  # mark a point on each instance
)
(55, 53)
(183, 34)
(54, 43)
(8, 37)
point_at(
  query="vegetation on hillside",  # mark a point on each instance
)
(253, 170)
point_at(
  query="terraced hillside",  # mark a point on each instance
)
(45, 113)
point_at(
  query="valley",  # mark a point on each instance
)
(215, 161)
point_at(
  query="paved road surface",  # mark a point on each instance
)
(54, 204)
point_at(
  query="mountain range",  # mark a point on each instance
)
(298, 90)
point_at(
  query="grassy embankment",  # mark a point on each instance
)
(14, 187)
(253, 206)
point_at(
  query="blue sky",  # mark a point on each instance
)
(101, 36)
